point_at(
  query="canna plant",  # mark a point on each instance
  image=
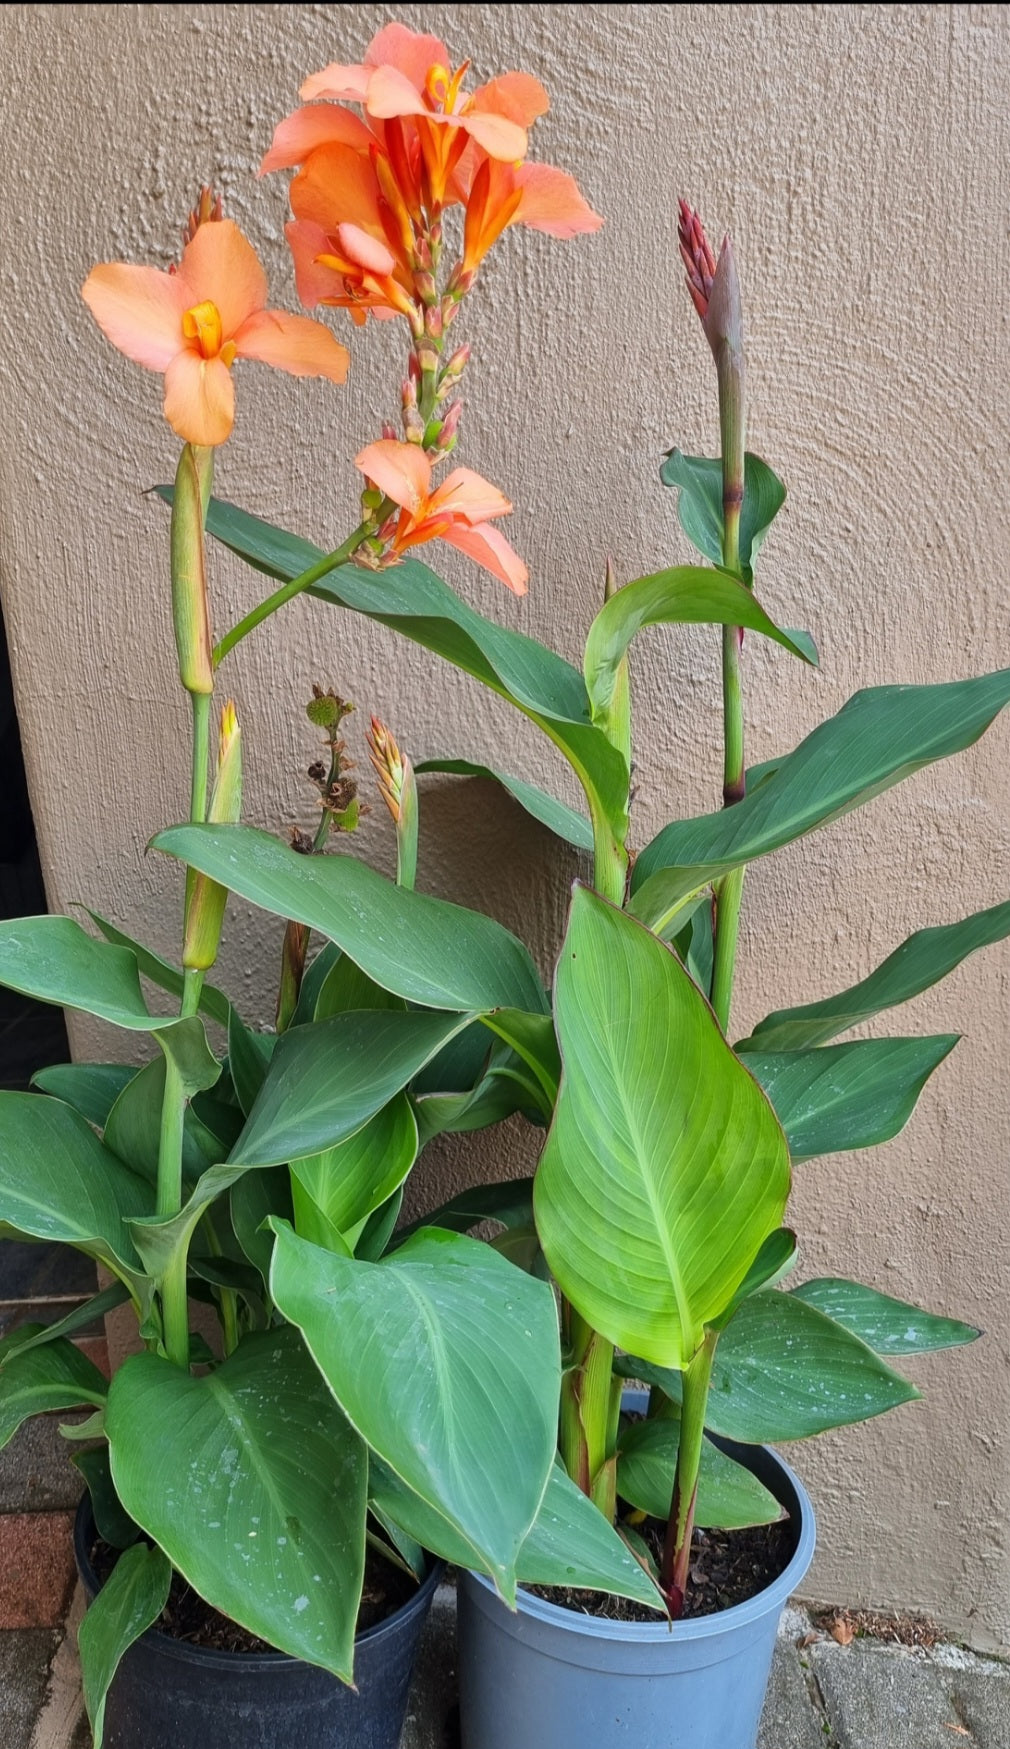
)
(659, 1205)
(407, 1386)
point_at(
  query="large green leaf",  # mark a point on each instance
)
(35, 1380)
(252, 1200)
(58, 1182)
(254, 1484)
(783, 1370)
(918, 964)
(249, 1054)
(427, 950)
(847, 1096)
(665, 1168)
(326, 1080)
(699, 503)
(131, 1599)
(55, 960)
(570, 1543)
(411, 600)
(214, 1003)
(347, 1182)
(446, 1360)
(878, 738)
(683, 595)
(886, 1325)
(557, 816)
(729, 1496)
(91, 1088)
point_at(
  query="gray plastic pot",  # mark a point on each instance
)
(550, 1678)
(171, 1695)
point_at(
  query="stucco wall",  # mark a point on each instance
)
(859, 154)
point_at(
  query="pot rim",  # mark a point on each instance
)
(787, 1487)
(212, 1656)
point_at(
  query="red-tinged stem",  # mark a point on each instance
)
(677, 1546)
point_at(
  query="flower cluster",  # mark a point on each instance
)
(381, 150)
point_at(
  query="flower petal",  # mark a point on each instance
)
(365, 251)
(499, 137)
(221, 265)
(313, 282)
(390, 92)
(466, 494)
(411, 54)
(337, 186)
(401, 470)
(199, 397)
(297, 344)
(139, 309)
(552, 201)
(489, 548)
(518, 96)
(339, 83)
(316, 124)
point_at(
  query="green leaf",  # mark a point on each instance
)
(446, 1360)
(54, 960)
(729, 1496)
(533, 1038)
(427, 950)
(254, 1484)
(346, 987)
(773, 1262)
(570, 1543)
(315, 975)
(326, 1080)
(255, 1197)
(495, 1097)
(36, 1336)
(918, 964)
(35, 1381)
(249, 1056)
(114, 1526)
(58, 1182)
(557, 816)
(133, 1128)
(699, 503)
(510, 1203)
(665, 1168)
(348, 1182)
(91, 1088)
(683, 595)
(878, 738)
(886, 1325)
(785, 1371)
(185, 1045)
(213, 1003)
(847, 1096)
(131, 1599)
(378, 1229)
(411, 600)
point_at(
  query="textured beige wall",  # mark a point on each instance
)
(860, 155)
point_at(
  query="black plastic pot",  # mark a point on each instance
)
(171, 1695)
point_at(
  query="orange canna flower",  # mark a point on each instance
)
(537, 195)
(193, 323)
(457, 511)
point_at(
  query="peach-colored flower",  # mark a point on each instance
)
(192, 324)
(457, 511)
(537, 195)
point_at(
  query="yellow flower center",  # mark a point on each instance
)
(442, 88)
(202, 323)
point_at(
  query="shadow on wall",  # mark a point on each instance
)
(31, 1034)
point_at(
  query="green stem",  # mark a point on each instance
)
(226, 1296)
(297, 586)
(677, 1547)
(174, 1305)
(588, 1423)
